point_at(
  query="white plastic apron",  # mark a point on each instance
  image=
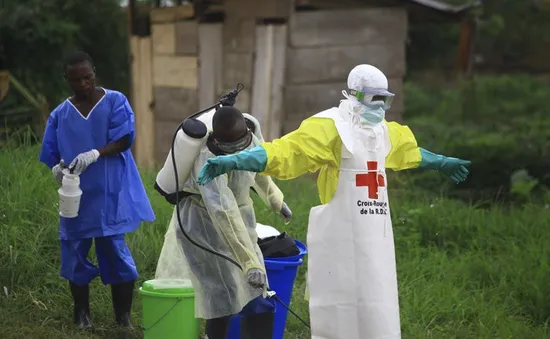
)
(352, 276)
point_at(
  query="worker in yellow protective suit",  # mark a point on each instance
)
(352, 278)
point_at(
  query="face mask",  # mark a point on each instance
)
(372, 113)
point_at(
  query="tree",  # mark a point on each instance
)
(35, 34)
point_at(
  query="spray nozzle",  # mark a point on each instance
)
(71, 169)
(228, 99)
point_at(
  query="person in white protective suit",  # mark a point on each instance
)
(220, 216)
(352, 276)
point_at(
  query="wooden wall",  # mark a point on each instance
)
(293, 64)
(324, 46)
(142, 97)
(268, 81)
(255, 49)
(175, 72)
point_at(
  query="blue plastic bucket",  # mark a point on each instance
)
(281, 273)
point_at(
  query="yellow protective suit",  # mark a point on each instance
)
(316, 145)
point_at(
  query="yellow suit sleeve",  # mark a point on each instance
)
(404, 153)
(270, 193)
(305, 150)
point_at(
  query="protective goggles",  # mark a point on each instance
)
(374, 97)
(235, 146)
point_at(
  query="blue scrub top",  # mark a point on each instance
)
(113, 200)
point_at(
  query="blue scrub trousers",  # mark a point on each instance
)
(115, 261)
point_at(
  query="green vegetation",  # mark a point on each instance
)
(472, 267)
(500, 123)
(463, 272)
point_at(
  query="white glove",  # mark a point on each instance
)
(83, 160)
(256, 278)
(57, 171)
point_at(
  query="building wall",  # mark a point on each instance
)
(323, 47)
(175, 73)
(293, 64)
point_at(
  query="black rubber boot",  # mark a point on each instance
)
(217, 328)
(81, 299)
(258, 326)
(123, 295)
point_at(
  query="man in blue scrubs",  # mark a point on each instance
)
(93, 131)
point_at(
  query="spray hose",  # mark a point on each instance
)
(226, 100)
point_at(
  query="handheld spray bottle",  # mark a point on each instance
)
(69, 194)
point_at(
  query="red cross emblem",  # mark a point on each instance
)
(372, 180)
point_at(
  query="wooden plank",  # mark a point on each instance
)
(260, 105)
(171, 14)
(277, 116)
(237, 67)
(175, 71)
(340, 27)
(173, 103)
(259, 8)
(238, 35)
(145, 120)
(243, 100)
(330, 64)
(135, 93)
(186, 38)
(211, 63)
(269, 66)
(164, 38)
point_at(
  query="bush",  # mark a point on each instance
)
(501, 124)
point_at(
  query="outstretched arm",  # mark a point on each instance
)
(406, 154)
(454, 168)
(304, 150)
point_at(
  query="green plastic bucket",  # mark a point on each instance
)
(168, 308)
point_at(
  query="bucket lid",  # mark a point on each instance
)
(169, 286)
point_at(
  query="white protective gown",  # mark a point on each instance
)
(219, 216)
(351, 267)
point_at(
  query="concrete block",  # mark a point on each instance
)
(175, 71)
(164, 38)
(173, 103)
(186, 38)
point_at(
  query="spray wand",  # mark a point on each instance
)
(225, 100)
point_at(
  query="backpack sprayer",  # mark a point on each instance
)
(191, 134)
(194, 133)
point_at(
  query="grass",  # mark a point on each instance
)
(463, 272)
